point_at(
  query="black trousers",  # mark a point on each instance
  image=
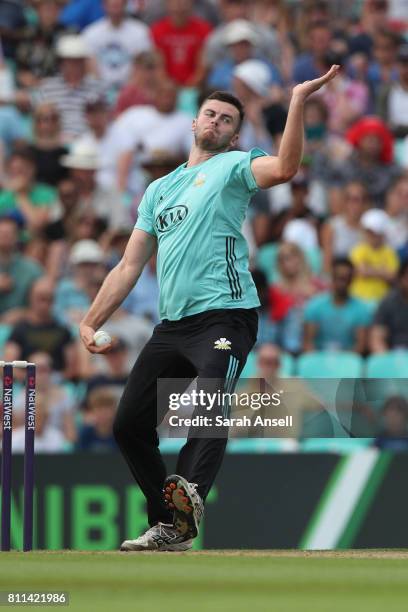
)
(180, 349)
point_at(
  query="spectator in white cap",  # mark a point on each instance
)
(106, 204)
(252, 83)
(376, 263)
(113, 41)
(86, 266)
(240, 39)
(72, 87)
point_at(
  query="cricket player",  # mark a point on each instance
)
(208, 302)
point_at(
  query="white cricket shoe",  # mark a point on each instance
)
(160, 537)
(181, 496)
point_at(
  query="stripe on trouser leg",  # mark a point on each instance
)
(230, 383)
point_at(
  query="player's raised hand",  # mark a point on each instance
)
(303, 90)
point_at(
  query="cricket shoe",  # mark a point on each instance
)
(160, 537)
(188, 508)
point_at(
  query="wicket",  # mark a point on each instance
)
(6, 475)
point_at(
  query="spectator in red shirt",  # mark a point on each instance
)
(180, 37)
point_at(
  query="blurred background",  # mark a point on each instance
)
(96, 101)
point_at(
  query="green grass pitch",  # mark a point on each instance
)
(239, 581)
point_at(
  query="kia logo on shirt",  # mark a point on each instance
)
(171, 217)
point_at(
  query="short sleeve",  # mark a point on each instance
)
(145, 220)
(364, 316)
(242, 169)
(311, 312)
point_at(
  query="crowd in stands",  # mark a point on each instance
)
(96, 101)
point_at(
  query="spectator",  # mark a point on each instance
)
(59, 402)
(72, 297)
(104, 203)
(72, 87)
(397, 209)
(334, 320)
(393, 98)
(241, 42)
(288, 295)
(312, 64)
(46, 147)
(342, 232)
(47, 438)
(383, 69)
(143, 130)
(39, 331)
(298, 209)
(108, 370)
(29, 201)
(375, 262)
(17, 273)
(371, 161)
(35, 54)
(252, 83)
(239, 12)
(394, 434)
(346, 99)
(390, 329)
(96, 435)
(113, 41)
(141, 87)
(100, 137)
(373, 18)
(180, 37)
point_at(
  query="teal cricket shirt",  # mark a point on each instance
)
(196, 214)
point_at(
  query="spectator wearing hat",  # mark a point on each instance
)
(35, 54)
(335, 320)
(141, 87)
(180, 37)
(106, 204)
(17, 273)
(47, 148)
(371, 161)
(342, 232)
(252, 84)
(113, 41)
(72, 87)
(392, 103)
(38, 330)
(390, 329)
(100, 137)
(298, 210)
(238, 13)
(24, 197)
(376, 263)
(241, 42)
(86, 267)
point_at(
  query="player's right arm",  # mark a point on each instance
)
(117, 286)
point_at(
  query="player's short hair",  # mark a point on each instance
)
(225, 96)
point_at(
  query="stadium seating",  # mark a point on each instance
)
(325, 364)
(287, 366)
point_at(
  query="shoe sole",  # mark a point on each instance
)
(177, 499)
(182, 547)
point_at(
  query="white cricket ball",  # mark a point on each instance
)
(101, 337)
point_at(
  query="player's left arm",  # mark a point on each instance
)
(271, 170)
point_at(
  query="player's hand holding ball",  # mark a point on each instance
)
(95, 342)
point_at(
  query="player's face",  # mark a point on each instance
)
(215, 128)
